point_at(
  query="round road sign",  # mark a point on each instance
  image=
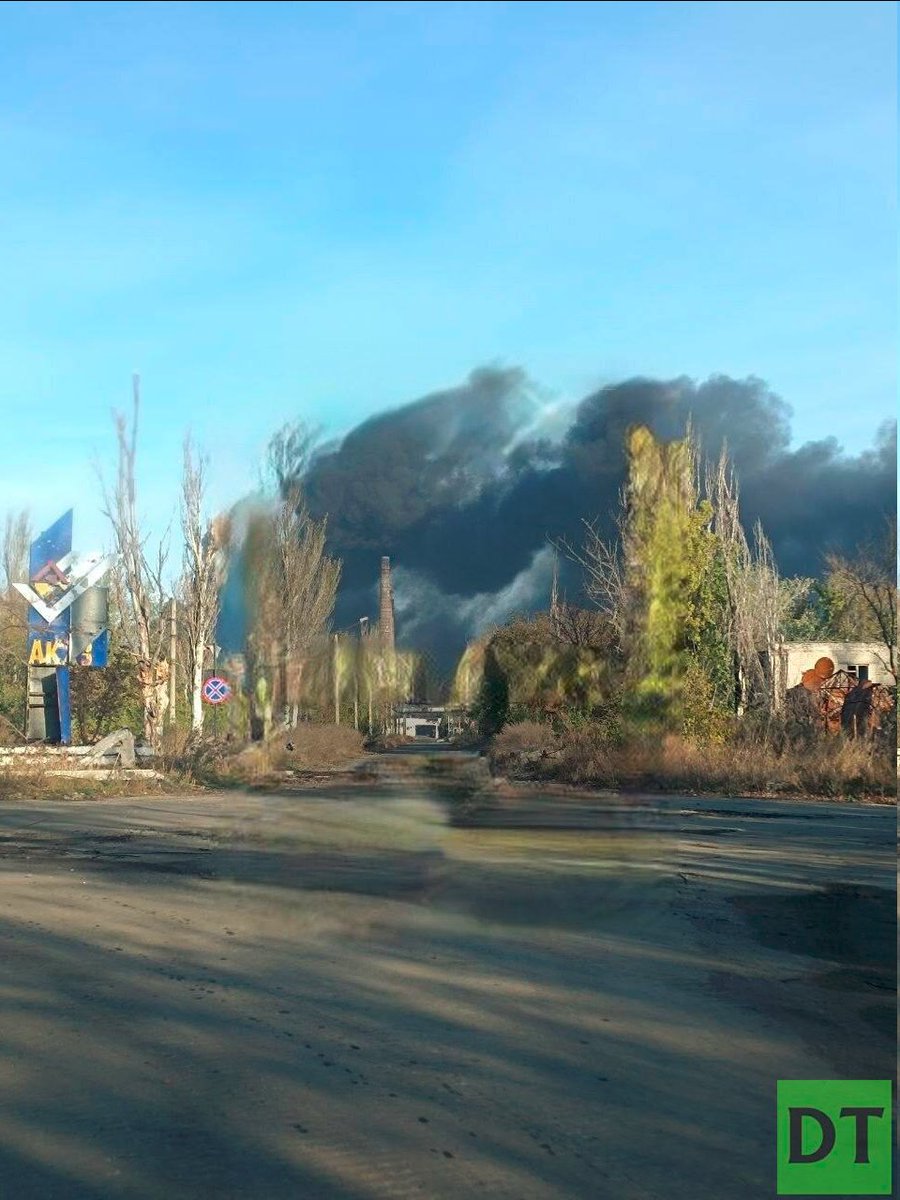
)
(216, 690)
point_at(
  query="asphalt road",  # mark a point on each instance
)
(342, 993)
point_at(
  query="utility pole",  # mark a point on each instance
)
(337, 684)
(360, 663)
(364, 633)
(554, 597)
(173, 652)
(215, 650)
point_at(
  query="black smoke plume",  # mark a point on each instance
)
(465, 488)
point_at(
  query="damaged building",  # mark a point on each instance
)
(862, 662)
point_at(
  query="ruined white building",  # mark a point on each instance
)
(861, 660)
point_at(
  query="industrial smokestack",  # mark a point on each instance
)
(386, 608)
(472, 535)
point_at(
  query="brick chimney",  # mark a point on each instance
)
(386, 608)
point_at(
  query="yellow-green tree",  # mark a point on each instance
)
(469, 674)
(679, 662)
(354, 681)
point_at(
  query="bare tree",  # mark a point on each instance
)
(605, 580)
(585, 627)
(293, 585)
(754, 609)
(308, 580)
(17, 537)
(203, 573)
(869, 578)
(766, 609)
(290, 582)
(137, 581)
(288, 455)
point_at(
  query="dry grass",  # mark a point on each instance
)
(185, 764)
(303, 749)
(831, 767)
(38, 781)
(390, 741)
(586, 757)
(521, 745)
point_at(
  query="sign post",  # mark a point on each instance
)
(67, 623)
(216, 691)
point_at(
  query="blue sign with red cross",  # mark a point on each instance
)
(216, 690)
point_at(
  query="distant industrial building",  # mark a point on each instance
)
(426, 722)
(386, 608)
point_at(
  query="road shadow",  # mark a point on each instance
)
(505, 1013)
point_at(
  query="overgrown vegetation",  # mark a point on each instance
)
(530, 669)
(674, 686)
(289, 754)
(585, 755)
(663, 680)
(163, 627)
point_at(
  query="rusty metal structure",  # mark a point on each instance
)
(813, 679)
(865, 710)
(841, 703)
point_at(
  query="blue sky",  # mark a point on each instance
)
(319, 210)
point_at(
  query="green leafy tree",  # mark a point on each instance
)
(106, 698)
(808, 609)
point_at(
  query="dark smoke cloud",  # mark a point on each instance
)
(463, 489)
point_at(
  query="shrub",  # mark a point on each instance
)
(521, 746)
(586, 756)
(317, 746)
(529, 673)
(844, 768)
